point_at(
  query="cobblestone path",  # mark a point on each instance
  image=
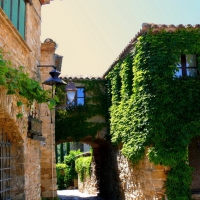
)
(75, 195)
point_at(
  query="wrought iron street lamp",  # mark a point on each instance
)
(54, 79)
(34, 124)
(71, 93)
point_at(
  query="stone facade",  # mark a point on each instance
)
(25, 152)
(89, 184)
(115, 177)
(145, 181)
(48, 166)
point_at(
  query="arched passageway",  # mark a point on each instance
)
(19, 155)
(104, 177)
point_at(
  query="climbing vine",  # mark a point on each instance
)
(83, 166)
(76, 123)
(153, 108)
(18, 82)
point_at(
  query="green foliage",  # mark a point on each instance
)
(70, 173)
(60, 171)
(74, 123)
(66, 171)
(180, 173)
(82, 166)
(153, 108)
(18, 82)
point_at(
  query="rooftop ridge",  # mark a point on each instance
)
(81, 77)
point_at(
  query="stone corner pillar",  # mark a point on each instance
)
(48, 165)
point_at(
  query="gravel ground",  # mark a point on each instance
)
(76, 195)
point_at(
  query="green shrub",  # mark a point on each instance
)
(66, 171)
(60, 169)
(70, 173)
(82, 166)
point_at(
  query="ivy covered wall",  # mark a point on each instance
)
(78, 123)
(152, 108)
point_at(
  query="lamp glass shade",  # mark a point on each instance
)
(71, 95)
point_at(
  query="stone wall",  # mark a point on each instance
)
(116, 178)
(145, 181)
(25, 152)
(48, 166)
(89, 184)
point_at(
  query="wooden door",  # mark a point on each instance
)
(194, 161)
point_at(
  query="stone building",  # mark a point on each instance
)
(161, 64)
(150, 67)
(27, 165)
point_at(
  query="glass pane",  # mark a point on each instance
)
(80, 92)
(191, 71)
(178, 72)
(80, 101)
(70, 95)
(179, 62)
(191, 60)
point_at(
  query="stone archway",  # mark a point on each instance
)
(9, 133)
(25, 152)
(103, 168)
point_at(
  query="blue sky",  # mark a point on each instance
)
(92, 33)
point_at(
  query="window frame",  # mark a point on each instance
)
(77, 97)
(183, 66)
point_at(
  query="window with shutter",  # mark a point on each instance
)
(15, 10)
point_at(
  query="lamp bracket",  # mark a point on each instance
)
(47, 66)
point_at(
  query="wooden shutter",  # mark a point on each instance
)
(14, 17)
(7, 7)
(16, 12)
(22, 9)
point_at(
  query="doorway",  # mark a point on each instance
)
(194, 161)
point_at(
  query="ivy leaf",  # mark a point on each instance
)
(52, 104)
(10, 92)
(19, 103)
(19, 115)
(56, 98)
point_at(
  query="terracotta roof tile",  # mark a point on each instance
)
(81, 77)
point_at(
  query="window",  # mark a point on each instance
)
(5, 167)
(80, 96)
(15, 10)
(187, 66)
